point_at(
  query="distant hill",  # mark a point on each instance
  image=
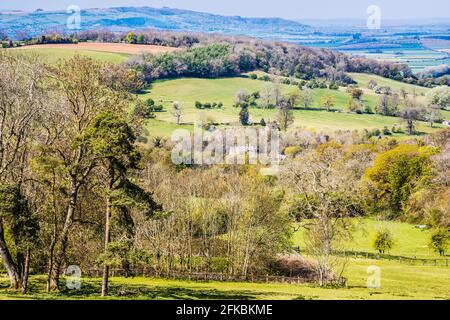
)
(132, 18)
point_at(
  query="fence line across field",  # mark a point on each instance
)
(207, 276)
(441, 262)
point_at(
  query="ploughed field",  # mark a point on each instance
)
(109, 52)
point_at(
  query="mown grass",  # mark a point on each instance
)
(398, 281)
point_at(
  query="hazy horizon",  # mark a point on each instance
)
(301, 9)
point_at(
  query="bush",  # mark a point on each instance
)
(383, 241)
(253, 76)
(145, 109)
(292, 151)
(294, 265)
(386, 131)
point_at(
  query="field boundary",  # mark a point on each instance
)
(438, 262)
(208, 276)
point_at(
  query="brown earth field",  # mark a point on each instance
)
(106, 47)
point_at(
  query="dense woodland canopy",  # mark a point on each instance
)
(81, 183)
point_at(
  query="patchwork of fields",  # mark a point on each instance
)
(189, 90)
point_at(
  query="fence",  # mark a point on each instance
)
(442, 262)
(203, 276)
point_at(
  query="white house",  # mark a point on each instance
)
(446, 123)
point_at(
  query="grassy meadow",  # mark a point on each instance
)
(399, 280)
(188, 90)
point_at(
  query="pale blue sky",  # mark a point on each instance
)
(291, 9)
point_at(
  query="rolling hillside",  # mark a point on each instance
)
(131, 18)
(188, 90)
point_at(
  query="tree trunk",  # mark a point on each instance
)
(50, 264)
(54, 281)
(107, 231)
(8, 261)
(26, 272)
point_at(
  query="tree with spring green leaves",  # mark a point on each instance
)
(15, 213)
(244, 115)
(440, 240)
(82, 94)
(383, 241)
(398, 173)
(327, 102)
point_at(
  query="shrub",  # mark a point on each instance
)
(294, 265)
(253, 76)
(292, 151)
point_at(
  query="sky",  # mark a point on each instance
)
(289, 9)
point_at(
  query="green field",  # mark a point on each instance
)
(417, 59)
(52, 55)
(188, 90)
(409, 240)
(398, 281)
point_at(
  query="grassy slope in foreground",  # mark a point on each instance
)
(398, 281)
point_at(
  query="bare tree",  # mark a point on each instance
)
(324, 184)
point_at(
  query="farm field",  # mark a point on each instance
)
(109, 52)
(418, 58)
(52, 55)
(189, 90)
